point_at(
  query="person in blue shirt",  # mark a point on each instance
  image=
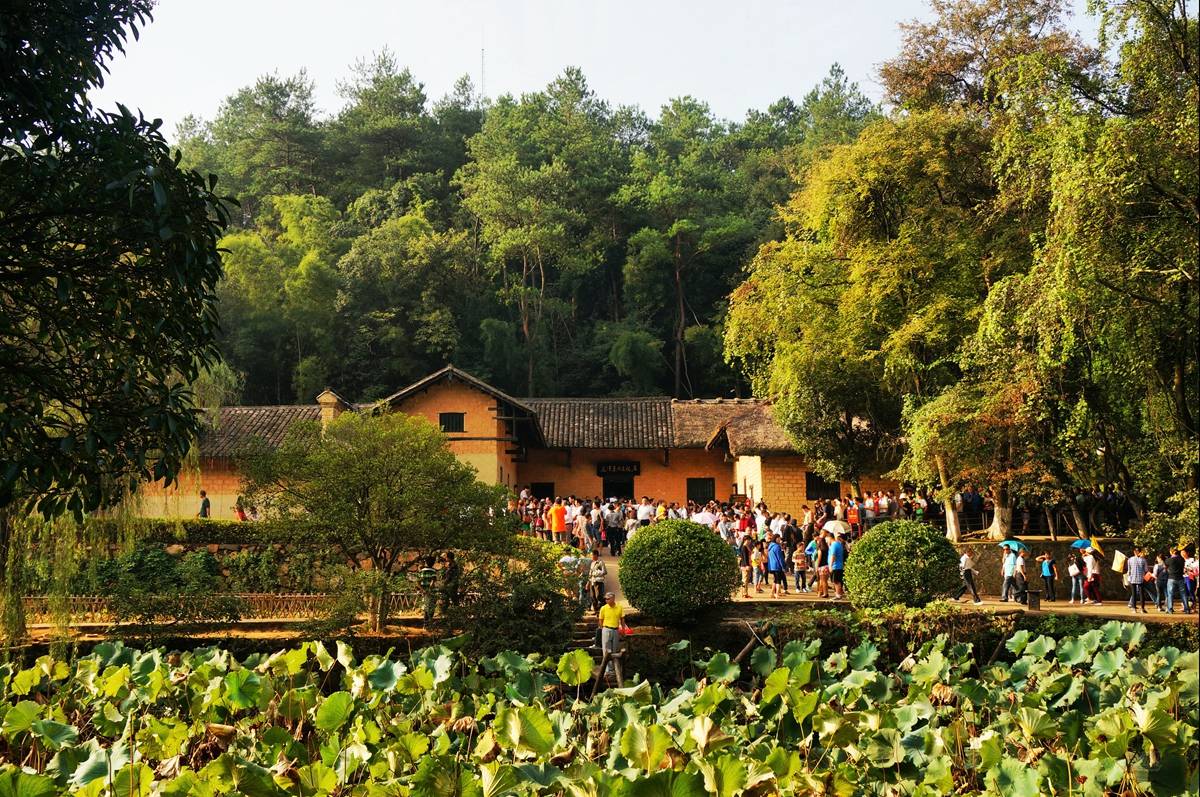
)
(776, 565)
(837, 565)
(1049, 574)
(1009, 568)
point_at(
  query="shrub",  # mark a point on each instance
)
(520, 599)
(901, 562)
(676, 568)
(154, 589)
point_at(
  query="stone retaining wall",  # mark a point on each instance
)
(988, 560)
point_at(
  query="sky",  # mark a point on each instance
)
(735, 56)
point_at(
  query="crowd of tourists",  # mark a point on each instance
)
(777, 553)
(1164, 579)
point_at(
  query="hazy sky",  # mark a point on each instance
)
(734, 55)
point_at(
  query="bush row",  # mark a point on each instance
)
(199, 531)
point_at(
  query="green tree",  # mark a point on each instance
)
(265, 139)
(695, 232)
(383, 490)
(108, 304)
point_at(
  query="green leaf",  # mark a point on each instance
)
(883, 748)
(1035, 723)
(762, 660)
(864, 655)
(644, 746)
(575, 667)
(15, 783)
(242, 688)
(776, 684)
(1012, 778)
(726, 777)
(1108, 663)
(334, 711)
(55, 735)
(316, 779)
(720, 668)
(537, 734)
(20, 718)
(385, 676)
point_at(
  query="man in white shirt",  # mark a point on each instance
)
(966, 568)
(645, 512)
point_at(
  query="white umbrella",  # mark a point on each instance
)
(837, 527)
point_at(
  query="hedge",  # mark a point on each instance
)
(200, 531)
(901, 563)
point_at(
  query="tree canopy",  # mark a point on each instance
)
(109, 265)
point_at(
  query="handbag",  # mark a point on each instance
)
(1073, 570)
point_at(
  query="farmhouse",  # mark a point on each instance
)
(668, 448)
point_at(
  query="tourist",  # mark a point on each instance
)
(1136, 572)
(1091, 582)
(239, 512)
(1049, 574)
(645, 512)
(614, 525)
(610, 620)
(1008, 572)
(800, 567)
(597, 573)
(822, 542)
(205, 505)
(1191, 574)
(579, 531)
(1075, 572)
(557, 515)
(837, 565)
(757, 563)
(1021, 578)
(967, 571)
(776, 562)
(1175, 583)
(746, 563)
(1158, 576)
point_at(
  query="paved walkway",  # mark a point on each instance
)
(1118, 610)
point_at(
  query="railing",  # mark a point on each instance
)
(91, 609)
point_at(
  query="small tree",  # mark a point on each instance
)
(901, 563)
(384, 490)
(676, 568)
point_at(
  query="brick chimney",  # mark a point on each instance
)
(332, 405)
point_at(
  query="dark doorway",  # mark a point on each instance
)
(618, 486)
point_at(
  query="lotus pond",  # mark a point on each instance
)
(1087, 715)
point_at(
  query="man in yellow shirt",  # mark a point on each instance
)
(611, 619)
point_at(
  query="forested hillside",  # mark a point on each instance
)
(550, 243)
(990, 278)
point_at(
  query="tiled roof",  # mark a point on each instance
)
(236, 426)
(604, 422)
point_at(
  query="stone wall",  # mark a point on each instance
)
(988, 561)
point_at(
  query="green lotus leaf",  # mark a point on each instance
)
(863, 655)
(334, 711)
(20, 718)
(720, 668)
(575, 667)
(242, 689)
(15, 783)
(762, 660)
(644, 746)
(55, 735)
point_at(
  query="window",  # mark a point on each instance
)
(452, 421)
(815, 487)
(542, 489)
(701, 490)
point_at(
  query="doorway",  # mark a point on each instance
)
(617, 486)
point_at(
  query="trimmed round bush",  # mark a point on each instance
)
(674, 569)
(901, 563)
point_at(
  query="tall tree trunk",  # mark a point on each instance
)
(1081, 524)
(680, 359)
(1051, 526)
(953, 530)
(1002, 519)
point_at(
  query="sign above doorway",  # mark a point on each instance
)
(619, 468)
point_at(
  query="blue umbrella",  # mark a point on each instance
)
(1081, 544)
(1016, 545)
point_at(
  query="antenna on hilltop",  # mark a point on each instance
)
(482, 77)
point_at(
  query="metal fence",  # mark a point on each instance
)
(92, 609)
